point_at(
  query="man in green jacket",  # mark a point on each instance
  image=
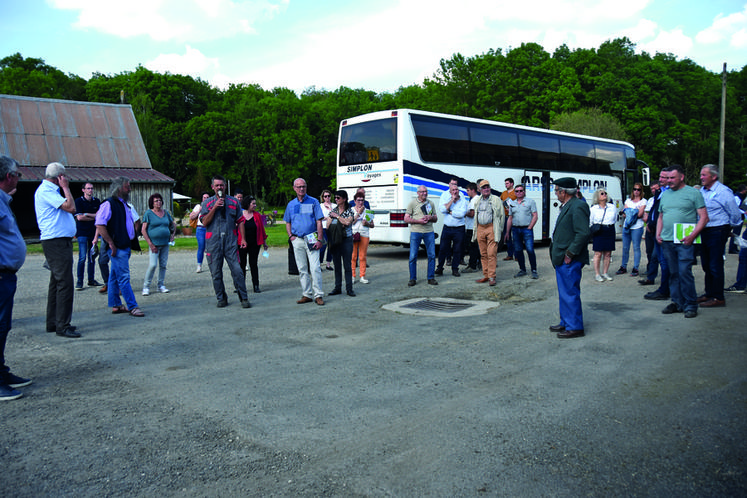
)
(569, 253)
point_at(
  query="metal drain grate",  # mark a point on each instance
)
(436, 305)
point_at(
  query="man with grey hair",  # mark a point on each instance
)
(12, 256)
(54, 215)
(569, 252)
(115, 224)
(723, 213)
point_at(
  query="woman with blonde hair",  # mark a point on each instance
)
(361, 226)
(632, 229)
(602, 216)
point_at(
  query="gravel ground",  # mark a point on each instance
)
(350, 399)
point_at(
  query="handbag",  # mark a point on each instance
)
(597, 227)
(335, 234)
(356, 237)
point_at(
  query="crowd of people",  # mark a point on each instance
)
(680, 223)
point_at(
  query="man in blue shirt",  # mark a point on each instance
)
(54, 215)
(723, 213)
(454, 207)
(12, 256)
(303, 223)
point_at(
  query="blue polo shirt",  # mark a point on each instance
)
(12, 246)
(302, 215)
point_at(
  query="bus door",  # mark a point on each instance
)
(537, 186)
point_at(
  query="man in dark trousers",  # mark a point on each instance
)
(569, 253)
(85, 215)
(12, 256)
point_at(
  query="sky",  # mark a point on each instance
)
(374, 45)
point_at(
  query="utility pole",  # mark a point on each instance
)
(723, 126)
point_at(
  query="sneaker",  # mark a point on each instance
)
(439, 271)
(606, 277)
(78, 287)
(411, 283)
(146, 291)
(16, 381)
(94, 283)
(456, 273)
(534, 275)
(432, 281)
(691, 314)
(734, 289)
(7, 393)
(634, 273)
(245, 303)
(364, 280)
(521, 273)
(599, 278)
(469, 270)
(621, 271)
(222, 304)
(199, 269)
(163, 289)
(671, 308)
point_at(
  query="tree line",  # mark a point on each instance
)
(262, 139)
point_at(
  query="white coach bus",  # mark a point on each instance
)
(391, 153)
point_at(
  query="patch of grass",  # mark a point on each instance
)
(276, 237)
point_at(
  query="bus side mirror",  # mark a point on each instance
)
(646, 172)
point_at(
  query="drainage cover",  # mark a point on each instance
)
(443, 307)
(438, 305)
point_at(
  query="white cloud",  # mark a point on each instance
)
(669, 42)
(739, 39)
(723, 27)
(171, 20)
(192, 63)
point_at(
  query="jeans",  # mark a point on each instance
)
(84, 253)
(160, 259)
(680, 259)
(59, 254)
(742, 270)
(8, 283)
(510, 242)
(200, 233)
(569, 295)
(325, 249)
(524, 239)
(105, 255)
(342, 256)
(449, 236)
(119, 280)
(662, 261)
(712, 259)
(430, 249)
(633, 236)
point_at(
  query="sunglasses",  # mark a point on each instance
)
(602, 193)
(636, 190)
(326, 195)
(338, 197)
(518, 190)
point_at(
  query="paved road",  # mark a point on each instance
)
(350, 399)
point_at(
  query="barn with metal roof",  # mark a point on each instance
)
(96, 143)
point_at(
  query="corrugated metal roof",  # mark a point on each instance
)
(98, 175)
(36, 132)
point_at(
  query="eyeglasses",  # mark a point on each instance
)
(485, 186)
(17, 174)
(636, 190)
(359, 200)
(299, 186)
(326, 195)
(518, 190)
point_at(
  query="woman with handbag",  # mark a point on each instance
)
(632, 229)
(602, 216)
(326, 205)
(361, 226)
(340, 235)
(196, 222)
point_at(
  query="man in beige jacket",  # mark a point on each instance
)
(489, 216)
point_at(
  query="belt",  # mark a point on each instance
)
(517, 226)
(720, 227)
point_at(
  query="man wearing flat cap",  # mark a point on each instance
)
(569, 252)
(489, 216)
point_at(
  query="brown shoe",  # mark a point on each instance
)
(320, 301)
(304, 300)
(482, 280)
(703, 299)
(492, 282)
(103, 290)
(713, 303)
(508, 258)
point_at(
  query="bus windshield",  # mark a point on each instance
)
(370, 142)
